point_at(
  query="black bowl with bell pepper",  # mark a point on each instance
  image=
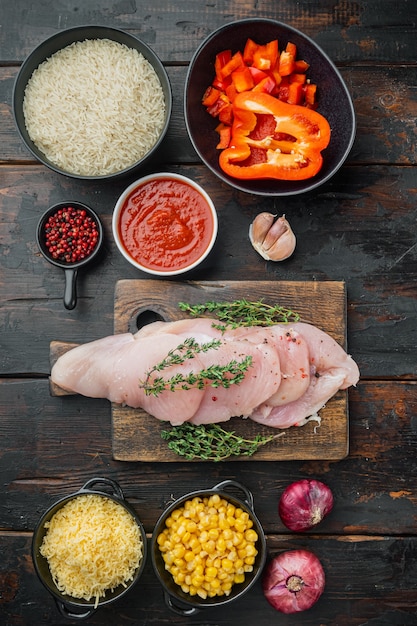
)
(264, 69)
(69, 235)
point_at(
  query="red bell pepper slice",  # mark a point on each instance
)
(222, 58)
(249, 50)
(266, 85)
(265, 57)
(290, 138)
(295, 93)
(210, 96)
(232, 65)
(225, 133)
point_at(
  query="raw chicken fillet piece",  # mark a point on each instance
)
(295, 369)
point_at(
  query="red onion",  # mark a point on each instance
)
(293, 581)
(304, 504)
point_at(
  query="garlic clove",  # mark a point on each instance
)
(260, 227)
(273, 240)
(283, 247)
(278, 229)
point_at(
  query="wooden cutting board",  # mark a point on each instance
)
(136, 435)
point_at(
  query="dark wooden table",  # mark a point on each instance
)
(360, 227)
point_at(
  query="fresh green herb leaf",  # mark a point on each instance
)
(214, 376)
(211, 442)
(241, 313)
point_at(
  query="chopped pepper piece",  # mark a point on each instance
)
(273, 139)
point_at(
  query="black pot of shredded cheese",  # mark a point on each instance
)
(84, 541)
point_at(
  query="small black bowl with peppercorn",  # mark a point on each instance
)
(69, 235)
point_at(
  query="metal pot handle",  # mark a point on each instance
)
(117, 491)
(65, 611)
(70, 292)
(234, 483)
(178, 609)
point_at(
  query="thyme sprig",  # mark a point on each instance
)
(213, 376)
(211, 442)
(242, 313)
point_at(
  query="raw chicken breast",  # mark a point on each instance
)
(330, 368)
(295, 370)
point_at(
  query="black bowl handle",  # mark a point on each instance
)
(234, 483)
(179, 610)
(66, 612)
(70, 294)
(117, 491)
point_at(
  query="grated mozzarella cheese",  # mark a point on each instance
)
(92, 545)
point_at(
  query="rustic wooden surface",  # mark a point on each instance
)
(359, 228)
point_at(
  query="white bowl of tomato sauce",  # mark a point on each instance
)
(165, 224)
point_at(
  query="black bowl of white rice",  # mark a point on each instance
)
(92, 102)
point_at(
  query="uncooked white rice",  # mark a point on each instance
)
(95, 107)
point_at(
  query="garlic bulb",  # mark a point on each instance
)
(274, 240)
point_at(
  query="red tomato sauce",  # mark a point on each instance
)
(165, 225)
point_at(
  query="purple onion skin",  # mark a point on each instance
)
(294, 568)
(304, 504)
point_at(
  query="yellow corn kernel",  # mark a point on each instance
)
(220, 545)
(227, 564)
(211, 572)
(209, 547)
(238, 564)
(199, 569)
(239, 578)
(250, 560)
(215, 584)
(213, 533)
(240, 525)
(179, 578)
(191, 526)
(189, 556)
(203, 536)
(167, 557)
(194, 544)
(202, 593)
(197, 581)
(251, 550)
(179, 551)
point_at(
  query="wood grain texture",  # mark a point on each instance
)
(358, 228)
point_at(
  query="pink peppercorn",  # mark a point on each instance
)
(71, 235)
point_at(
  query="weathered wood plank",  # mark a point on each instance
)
(348, 31)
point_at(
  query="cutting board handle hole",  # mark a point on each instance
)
(148, 317)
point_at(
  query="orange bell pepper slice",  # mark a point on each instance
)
(275, 140)
(242, 79)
